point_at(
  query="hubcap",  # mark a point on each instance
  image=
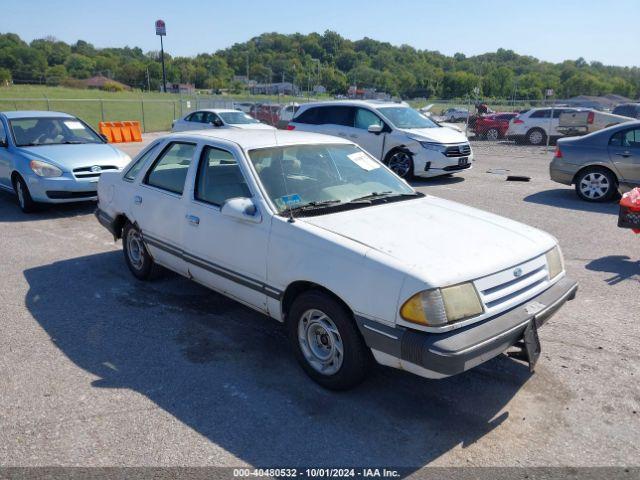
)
(135, 249)
(594, 185)
(535, 137)
(492, 134)
(320, 342)
(400, 164)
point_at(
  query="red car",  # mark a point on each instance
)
(493, 126)
(266, 113)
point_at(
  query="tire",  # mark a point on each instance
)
(326, 341)
(536, 136)
(26, 203)
(596, 184)
(401, 163)
(138, 260)
(493, 134)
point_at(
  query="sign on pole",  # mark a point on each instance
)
(161, 28)
(549, 92)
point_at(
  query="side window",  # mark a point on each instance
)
(337, 116)
(616, 139)
(365, 118)
(170, 170)
(632, 138)
(209, 117)
(309, 116)
(559, 111)
(135, 168)
(541, 114)
(3, 134)
(219, 177)
(197, 117)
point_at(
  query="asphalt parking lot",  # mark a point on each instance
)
(100, 369)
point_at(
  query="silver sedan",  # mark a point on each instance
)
(599, 164)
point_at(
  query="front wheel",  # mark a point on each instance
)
(596, 185)
(401, 163)
(26, 203)
(326, 341)
(492, 134)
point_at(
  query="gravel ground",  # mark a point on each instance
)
(99, 369)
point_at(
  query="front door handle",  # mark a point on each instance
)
(624, 154)
(342, 134)
(193, 220)
(137, 200)
(354, 135)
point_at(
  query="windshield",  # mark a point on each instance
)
(301, 175)
(51, 131)
(237, 118)
(405, 117)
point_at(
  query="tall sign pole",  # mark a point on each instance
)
(161, 31)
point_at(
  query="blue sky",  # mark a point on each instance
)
(551, 30)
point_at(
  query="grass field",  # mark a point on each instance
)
(154, 110)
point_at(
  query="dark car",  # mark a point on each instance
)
(631, 110)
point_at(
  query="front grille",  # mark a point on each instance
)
(463, 150)
(63, 195)
(515, 285)
(86, 172)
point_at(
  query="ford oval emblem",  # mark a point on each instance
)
(517, 272)
(96, 169)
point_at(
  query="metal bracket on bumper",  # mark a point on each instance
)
(459, 350)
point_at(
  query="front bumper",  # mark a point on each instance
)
(437, 355)
(61, 189)
(431, 163)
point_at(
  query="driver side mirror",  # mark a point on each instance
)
(3, 143)
(242, 209)
(217, 123)
(104, 137)
(376, 129)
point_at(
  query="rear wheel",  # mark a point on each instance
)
(492, 134)
(138, 260)
(536, 136)
(326, 341)
(401, 163)
(27, 205)
(596, 185)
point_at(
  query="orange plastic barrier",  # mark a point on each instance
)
(121, 132)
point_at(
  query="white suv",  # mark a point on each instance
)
(533, 126)
(405, 140)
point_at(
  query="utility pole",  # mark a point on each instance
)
(247, 68)
(161, 31)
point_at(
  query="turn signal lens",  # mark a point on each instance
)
(425, 308)
(43, 169)
(555, 263)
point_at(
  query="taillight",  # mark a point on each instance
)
(291, 127)
(558, 153)
(590, 117)
(517, 121)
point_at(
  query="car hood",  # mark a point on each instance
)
(252, 126)
(440, 241)
(436, 135)
(69, 157)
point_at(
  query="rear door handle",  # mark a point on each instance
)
(625, 154)
(137, 200)
(193, 220)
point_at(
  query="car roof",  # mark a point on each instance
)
(251, 139)
(215, 110)
(354, 103)
(34, 114)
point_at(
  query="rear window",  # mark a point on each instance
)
(541, 114)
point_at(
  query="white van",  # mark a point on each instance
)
(405, 140)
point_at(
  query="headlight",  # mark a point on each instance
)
(43, 169)
(432, 146)
(555, 264)
(435, 308)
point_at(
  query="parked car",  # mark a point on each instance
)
(266, 113)
(601, 163)
(243, 106)
(587, 120)
(455, 114)
(631, 110)
(316, 233)
(216, 118)
(52, 157)
(408, 142)
(493, 126)
(533, 126)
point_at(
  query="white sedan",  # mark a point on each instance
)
(217, 118)
(316, 233)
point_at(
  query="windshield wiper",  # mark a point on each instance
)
(311, 206)
(382, 195)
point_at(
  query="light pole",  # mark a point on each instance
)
(161, 31)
